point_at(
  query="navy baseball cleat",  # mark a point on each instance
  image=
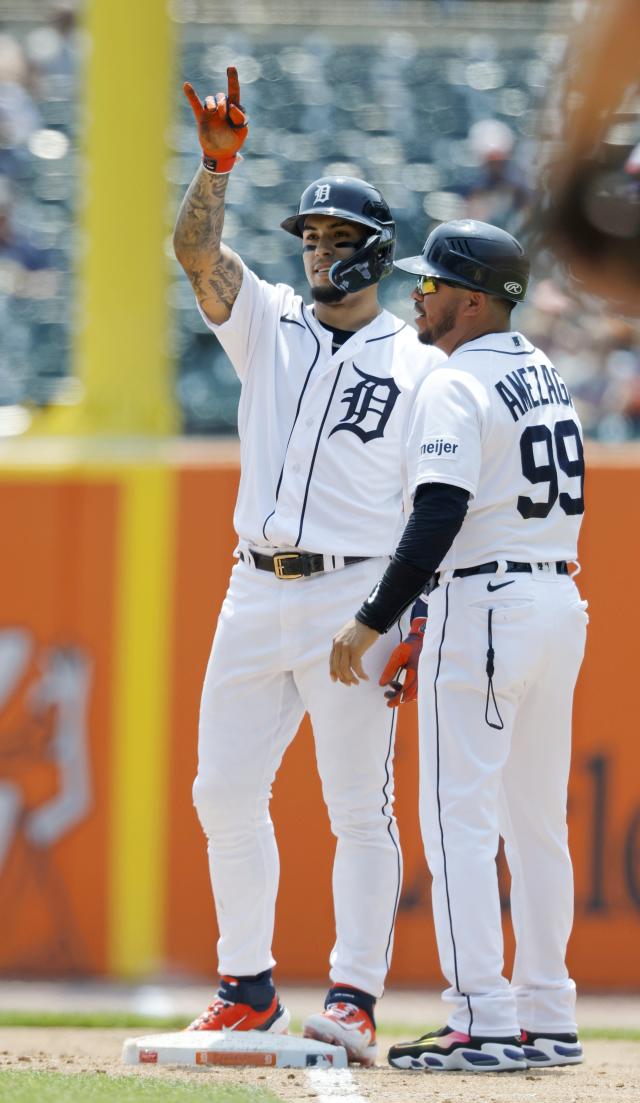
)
(543, 1050)
(448, 1050)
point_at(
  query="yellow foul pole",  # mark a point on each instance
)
(121, 349)
(122, 356)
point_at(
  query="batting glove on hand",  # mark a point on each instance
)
(222, 124)
(404, 658)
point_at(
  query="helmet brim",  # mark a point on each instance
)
(416, 265)
(421, 267)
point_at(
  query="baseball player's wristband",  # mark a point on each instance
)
(420, 608)
(398, 588)
(220, 166)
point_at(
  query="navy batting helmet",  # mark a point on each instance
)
(476, 255)
(356, 201)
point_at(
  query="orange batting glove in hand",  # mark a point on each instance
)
(404, 657)
(222, 124)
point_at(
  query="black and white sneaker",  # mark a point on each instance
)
(448, 1050)
(544, 1050)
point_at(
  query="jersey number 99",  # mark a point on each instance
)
(547, 471)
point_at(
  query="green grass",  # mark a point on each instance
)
(101, 1019)
(622, 1034)
(55, 1087)
(124, 1021)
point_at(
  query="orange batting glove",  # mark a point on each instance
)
(222, 124)
(404, 659)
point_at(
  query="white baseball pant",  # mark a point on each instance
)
(268, 665)
(495, 760)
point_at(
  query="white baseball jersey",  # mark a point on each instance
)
(322, 435)
(498, 421)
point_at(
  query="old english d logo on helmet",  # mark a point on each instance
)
(474, 254)
(322, 193)
(355, 201)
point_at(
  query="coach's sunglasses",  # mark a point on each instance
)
(428, 285)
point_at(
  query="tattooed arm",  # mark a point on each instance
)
(214, 270)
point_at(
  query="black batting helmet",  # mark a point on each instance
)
(476, 255)
(356, 201)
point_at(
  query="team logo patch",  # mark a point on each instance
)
(513, 288)
(442, 448)
(369, 405)
(322, 193)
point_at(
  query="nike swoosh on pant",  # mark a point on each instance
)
(492, 587)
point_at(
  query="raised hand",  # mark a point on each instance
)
(222, 123)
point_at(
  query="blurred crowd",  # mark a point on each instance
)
(445, 125)
(38, 172)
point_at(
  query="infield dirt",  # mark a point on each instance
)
(611, 1072)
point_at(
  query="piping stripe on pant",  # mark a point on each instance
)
(394, 840)
(444, 852)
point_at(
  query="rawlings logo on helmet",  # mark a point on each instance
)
(513, 288)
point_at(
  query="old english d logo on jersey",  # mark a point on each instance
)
(369, 405)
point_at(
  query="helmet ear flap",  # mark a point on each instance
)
(371, 262)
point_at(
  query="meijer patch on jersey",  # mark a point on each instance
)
(442, 447)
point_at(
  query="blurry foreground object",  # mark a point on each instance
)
(590, 204)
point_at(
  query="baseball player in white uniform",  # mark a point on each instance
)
(496, 426)
(323, 419)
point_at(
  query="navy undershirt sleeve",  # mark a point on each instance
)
(438, 512)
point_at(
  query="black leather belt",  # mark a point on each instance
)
(290, 565)
(511, 568)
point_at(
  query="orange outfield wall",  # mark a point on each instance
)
(102, 861)
(604, 793)
(57, 595)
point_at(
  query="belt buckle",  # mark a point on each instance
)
(279, 568)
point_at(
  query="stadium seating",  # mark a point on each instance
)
(397, 109)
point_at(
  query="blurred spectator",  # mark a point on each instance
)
(14, 159)
(498, 191)
(28, 283)
(597, 353)
(54, 49)
(21, 258)
(17, 108)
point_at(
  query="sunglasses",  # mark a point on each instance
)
(428, 285)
